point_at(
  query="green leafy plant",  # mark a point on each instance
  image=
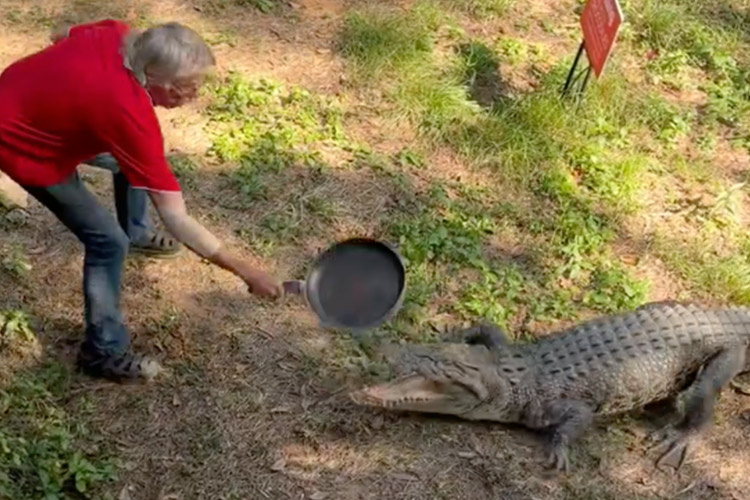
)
(16, 262)
(265, 127)
(40, 444)
(512, 50)
(15, 325)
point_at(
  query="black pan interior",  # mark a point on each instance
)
(357, 283)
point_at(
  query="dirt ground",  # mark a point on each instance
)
(253, 405)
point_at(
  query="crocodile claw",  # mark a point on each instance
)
(673, 446)
(675, 455)
(558, 459)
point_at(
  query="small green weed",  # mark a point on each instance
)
(320, 207)
(667, 121)
(284, 225)
(264, 6)
(15, 325)
(450, 237)
(494, 296)
(612, 290)
(605, 177)
(408, 158)
(41, 453)
(512, 50)
(669, 69)
(481, 72)
(726, 103)
(16, 263)
(577, 236)
(183, 165)
(423, 279)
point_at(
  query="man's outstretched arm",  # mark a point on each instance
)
(174, 215)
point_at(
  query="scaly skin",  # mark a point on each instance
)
(604, 366)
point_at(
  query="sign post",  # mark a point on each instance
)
(600, 23)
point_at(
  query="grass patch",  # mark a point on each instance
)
(380, 39)
(578, 165)
(264, 127)
(708, 38)
(284, 148)
(723, 276)
(480, 8)
(447, 244)
(264, 6)
(667, 122)
(42, 452)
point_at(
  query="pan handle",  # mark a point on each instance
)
(294, 287)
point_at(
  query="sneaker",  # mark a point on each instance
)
(123, 367)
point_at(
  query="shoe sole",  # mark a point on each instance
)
(97, 375)
(154, 254)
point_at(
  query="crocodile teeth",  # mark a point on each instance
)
(411, 390)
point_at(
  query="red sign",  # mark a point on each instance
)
(600, 20)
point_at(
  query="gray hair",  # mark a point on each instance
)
(167, 52)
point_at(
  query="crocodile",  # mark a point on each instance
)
(660, 351)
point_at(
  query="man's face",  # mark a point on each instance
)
(175, 93)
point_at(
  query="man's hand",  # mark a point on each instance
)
(258, 282)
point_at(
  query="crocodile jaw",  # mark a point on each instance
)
(417, 393)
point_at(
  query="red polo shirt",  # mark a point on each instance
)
(73, 100)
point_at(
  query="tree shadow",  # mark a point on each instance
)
(728, 15)
(481, 73)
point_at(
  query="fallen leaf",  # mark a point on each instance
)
(403, 476)
(278, 465)
(318, 495)
(377, 423)
(124, 494)
(467, 454)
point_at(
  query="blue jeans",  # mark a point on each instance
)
(105, 244)
(131, 204)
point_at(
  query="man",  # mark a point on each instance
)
(93, 91)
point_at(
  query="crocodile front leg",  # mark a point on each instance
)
(700, 402)
(486, 334)
(567, 419)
